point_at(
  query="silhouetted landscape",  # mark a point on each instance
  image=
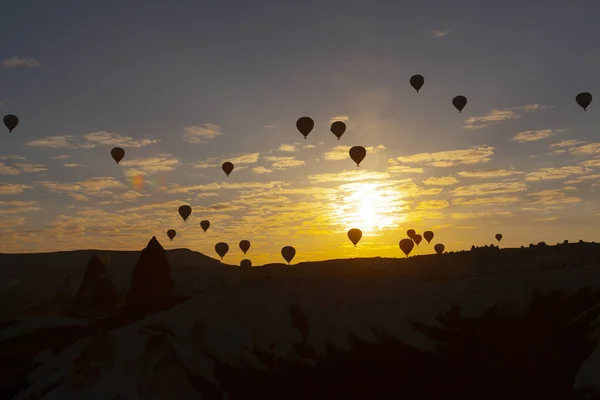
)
(487, 323)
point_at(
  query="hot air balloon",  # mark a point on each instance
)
(117, 154)
(288, 253)
(245, 263)
(227, 167)
(357, 154)
(171, 233)
(417, 239)
(11, 121)
(185, 212)
(104, 257)
(498, 236)
(439, 248)
(410, 233)
(459, 103)
(417, 81)
(205, 224)
(354, 235)
(338, 128)
(428, 235)
(305, 125)
(406, 245)
(584, 99)
(221, 248)
(245, 246)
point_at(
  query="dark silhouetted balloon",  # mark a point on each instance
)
(227, 167)
(417, 81)
(11, 121)
(498, 236)
(205, 224)
(439, 248)
(245, 263)
(358, 153)
(410, 233)
(406, 245)
(305, 125)
(221, 248)
(354, 235)
(459, 102)
(584, 99)
(117, 154)
(185, 212)
(338, 128)
(288, 253)
(171, 233)
(245, 246)
(428, 235)
(417, 239)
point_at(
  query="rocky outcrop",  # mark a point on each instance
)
(97, 292)
(151, 285)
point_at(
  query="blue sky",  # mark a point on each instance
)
(184, 86)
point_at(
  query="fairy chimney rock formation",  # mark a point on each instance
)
(97, 292)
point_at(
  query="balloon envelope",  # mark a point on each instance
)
(205, 224)
(338, 128)
(221, 248)
(584, 99)
(406, 245)
(354, 235)
(245, 245)
(428, 235)
(117, 154)
(305, 125)
(417, 81)
(439, 248)
(498, 236)
(459, 102)
(246, 263)
(227, 167)
(185, 212)
(171, 233)
(288, 253)
(10, 121)
(410, 233)
(417, 239)
(358, 153)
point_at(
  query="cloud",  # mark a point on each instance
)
(89, 140)
(32, 168)
(12, 157)
(261, 170)
(13, 188)
(404, 169)
(441, 181)
(483, 189)
(587, 149)
(160, 163)
(433, 205)
(485, 201)
(554, 197)
(498, 115)
(473, 155)
(343, 118)
(532, 136)
(437, 34)
(288, 148)
(556, 173)
(201, 134)
(8, 170)
(16, 62)
(210, 163)
(581, 179)
(18, 207)
(489, 173)
(60, 157)
(342, 152)
(284, 162)
(94, 186)
(308, 146)
(591, 163)
(244, 158)
(74, 165)
(567, 143)
(348, 176)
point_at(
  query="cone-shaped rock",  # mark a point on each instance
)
(97, 292)
(151, 285)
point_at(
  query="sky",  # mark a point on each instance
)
(184, 86)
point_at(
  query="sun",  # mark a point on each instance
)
(368, 206)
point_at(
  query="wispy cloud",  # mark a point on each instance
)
(483, 189)
(261, 170)
(556, 173)
(202, 133)
(474, 155)
(343, 118)
(489, 173)
(348, 176)
(404, 169)
(586, 149)
(18, 207)
(553, 197)
(441, 181)
(437, 34)
(485, 201)
(243, 158)
(284, 162)
(592, 163)
(566, 143)
(13, 188)
(159, 163)
(287, 148)
(341, 152)
(532, 136)
(12, 157)
(74, 165)
(89, 140)
(32, 168)
(15, 62)
(433, 205)
(8, 170)
(498, 115)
